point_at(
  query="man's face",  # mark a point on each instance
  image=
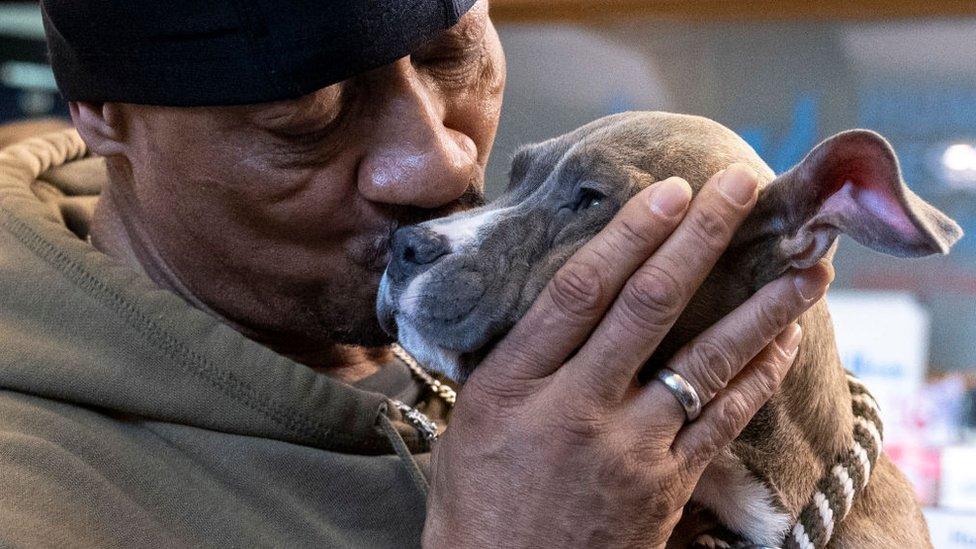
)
(278, 215)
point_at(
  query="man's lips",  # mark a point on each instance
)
(370, 251)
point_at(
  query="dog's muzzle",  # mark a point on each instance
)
(414, 249)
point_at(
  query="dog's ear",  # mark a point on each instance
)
(852, 183)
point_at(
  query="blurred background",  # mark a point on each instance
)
(784, 74)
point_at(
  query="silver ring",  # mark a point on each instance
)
(683, 391)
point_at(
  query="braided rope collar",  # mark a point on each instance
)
(836, 490)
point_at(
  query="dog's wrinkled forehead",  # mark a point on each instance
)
(610, 160)
(637, 147)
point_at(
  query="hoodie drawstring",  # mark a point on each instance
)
(400, 447)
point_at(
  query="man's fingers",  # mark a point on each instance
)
(725, 416)
(659, 290)
(714, 358)
(580, 292)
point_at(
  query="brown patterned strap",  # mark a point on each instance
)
(836, 491)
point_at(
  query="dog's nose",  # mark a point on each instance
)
(413, 249)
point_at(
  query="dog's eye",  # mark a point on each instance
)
(587, 198)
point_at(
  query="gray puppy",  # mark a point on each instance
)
(456, 285)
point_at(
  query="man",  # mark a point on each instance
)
(197, 362)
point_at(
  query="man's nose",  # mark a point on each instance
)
(413, 158)
(415, 249)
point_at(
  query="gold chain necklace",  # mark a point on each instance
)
(446, 393)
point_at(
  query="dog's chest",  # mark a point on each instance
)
(741, 501)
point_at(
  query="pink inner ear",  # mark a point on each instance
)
(867, 197)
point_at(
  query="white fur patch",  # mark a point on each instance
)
(740, 501)
(462, 230)
(431, 356)
(410, 298)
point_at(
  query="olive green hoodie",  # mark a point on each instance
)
(129, 418)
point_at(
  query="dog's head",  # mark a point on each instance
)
(457, 284)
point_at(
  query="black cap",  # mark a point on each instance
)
(229, 52)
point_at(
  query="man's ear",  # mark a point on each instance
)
(852, 183)
(100, 125)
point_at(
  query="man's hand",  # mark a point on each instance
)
(556, 448)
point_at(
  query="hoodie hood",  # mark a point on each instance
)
(79, 326)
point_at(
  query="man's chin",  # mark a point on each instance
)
(350, 323)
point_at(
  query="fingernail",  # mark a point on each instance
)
(789, 339)
(671, 197)
(738, 184)
(811, 283)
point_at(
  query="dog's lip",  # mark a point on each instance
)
(386, 307)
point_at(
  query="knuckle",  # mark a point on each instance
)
(653, 299)
(772, 315)
(628, 234)
(504, 390)
(711, 365)
(703, 451)
(736, 413)
(639, 447)
(577, 291)
(769, 375)
(670, 495)
(609, 252)
(491, 396)
(711, 228)
(591, 385)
